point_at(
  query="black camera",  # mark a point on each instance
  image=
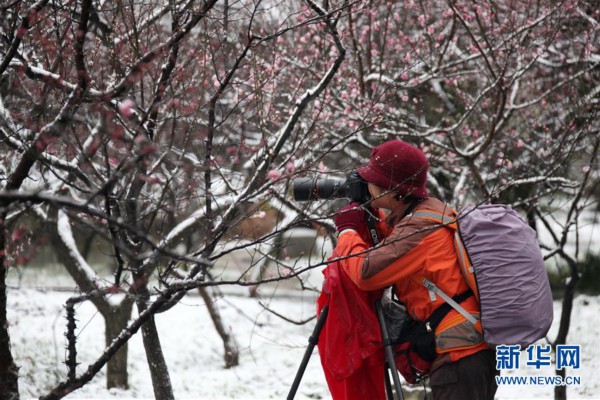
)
(354, 188)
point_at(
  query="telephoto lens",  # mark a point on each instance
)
(311, 189)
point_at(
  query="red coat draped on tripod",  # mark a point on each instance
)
(350, 342)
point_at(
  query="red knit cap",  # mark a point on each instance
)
(398, 166)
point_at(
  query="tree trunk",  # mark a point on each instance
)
(229, 344)
(560, 392)
(159, 372)
(115, 317)
(9, 372)
(115, 322)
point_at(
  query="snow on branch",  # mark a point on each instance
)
(130, 78)
(26, 21)
(268, 153)
(63, 226)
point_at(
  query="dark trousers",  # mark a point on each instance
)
(470, 378)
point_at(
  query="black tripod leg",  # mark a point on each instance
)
(312, 342)
(389, 352)
(389, 393)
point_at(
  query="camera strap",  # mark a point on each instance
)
(372, 225)
(372, 221)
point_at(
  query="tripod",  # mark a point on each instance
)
(390, 363)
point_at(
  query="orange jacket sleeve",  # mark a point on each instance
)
(350, 243)
(352, 249)
(396, 258)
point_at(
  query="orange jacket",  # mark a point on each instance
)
(416, 249)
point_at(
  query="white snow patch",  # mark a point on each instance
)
(271, 349)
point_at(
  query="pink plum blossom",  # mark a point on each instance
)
(126, 107)
(274, 174)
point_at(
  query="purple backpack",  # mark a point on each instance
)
(501, 261)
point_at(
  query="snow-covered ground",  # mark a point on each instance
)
(271, 349)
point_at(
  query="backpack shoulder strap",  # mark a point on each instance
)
(438, 217)
(461, 252)
(439, 313)
(452, 302)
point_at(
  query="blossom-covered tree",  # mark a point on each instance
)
(153, 126)
(161, 127)
(502, 96)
